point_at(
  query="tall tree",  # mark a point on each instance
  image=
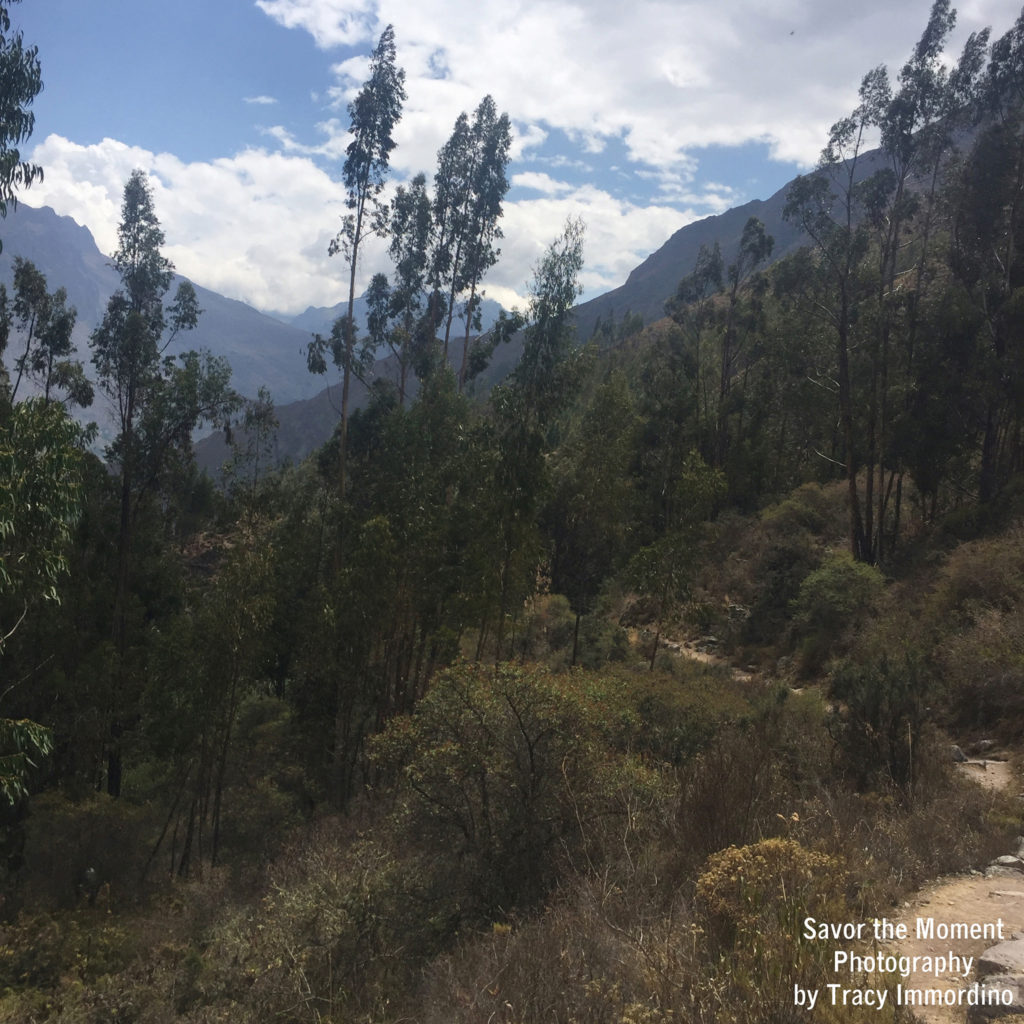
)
(38, 458)
(525, 411)
(755, 248)
(987, 258)
(396, 308)
(373, 114)
(158, 400)
(471, 184)
(693, 309)
(21, 78)
(43, 322)
(826, 207)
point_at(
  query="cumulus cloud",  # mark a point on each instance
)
(611, 106)
(256, 226)
(663, 78)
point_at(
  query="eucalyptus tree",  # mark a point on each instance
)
(755, 248)
(39, 484)
(860, 225)
(525, 410)
(21, 74)
(588, 514)
(826, 206)
(396, 308)
(692, 308)
(919, 120)
(987, 258)
(373, 114)
(158, 401)
(43, 323)
(471, 185)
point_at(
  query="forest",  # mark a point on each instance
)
(563, 695)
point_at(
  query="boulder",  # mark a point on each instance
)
(1009, 861)
(1005, 1014)
(1003, 958)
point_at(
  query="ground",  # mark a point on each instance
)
(972, 898)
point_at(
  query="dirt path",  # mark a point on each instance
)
(964, 899)
(990, 774)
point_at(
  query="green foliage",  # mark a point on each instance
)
(663, 571)
(45, 325)
(22, 745)
(588, 512)
(21, 72)
(39, 495)
(832, 601)
(373, 115)
(502, 770)
(880, 721)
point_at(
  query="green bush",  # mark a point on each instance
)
(501, 772)
(831, 601)
(879, 719)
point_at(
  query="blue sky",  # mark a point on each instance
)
(639, 117)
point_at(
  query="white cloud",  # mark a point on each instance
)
(664, 78)
(540, 182)
(330, 22)
(261, 101)
(256, 226)
(639, 88)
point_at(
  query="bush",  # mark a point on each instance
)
(831, 601)
(752, 901)
(500, 772)
(879, 721)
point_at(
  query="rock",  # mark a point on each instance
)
(999, 871)
(1008, 861)
(982, 746)
(1003, 958)
(957, 754)
(999, 982)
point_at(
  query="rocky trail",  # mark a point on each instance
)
(978, 916)
(957, 906)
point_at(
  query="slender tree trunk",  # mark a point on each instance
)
(465, 342)
(349, 345)
(654, 646)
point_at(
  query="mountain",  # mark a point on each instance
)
(260, 349)
(270, 351)
(650, 285)
(320, 319)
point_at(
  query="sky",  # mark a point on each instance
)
(641, 117)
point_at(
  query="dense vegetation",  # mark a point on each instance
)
(407, 731)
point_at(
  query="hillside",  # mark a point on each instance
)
(262, 351)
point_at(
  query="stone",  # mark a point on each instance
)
(1005, 1014)
(1000, 871)
(957, 754)
(1009, 861)
(1003, 958)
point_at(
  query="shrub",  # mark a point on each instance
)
(879, 721)
(499, 771)
(751, 902)
(831, 601)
